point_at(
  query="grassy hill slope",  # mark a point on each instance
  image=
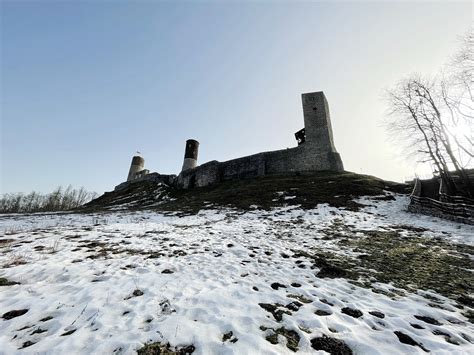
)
(307, 190)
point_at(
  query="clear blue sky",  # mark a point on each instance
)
(87, 84)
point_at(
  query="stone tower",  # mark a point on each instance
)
(317, 121)
(318, 131)
(138, 165)
(190, 154)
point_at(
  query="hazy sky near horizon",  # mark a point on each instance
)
(86, 84)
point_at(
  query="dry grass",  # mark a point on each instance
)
(16, 259)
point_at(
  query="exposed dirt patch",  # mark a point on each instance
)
(415, 260)
(272, 338)
(331, 345)
(292, 337)
(275, 310)
(355, 313)
(277, 285)
(15, 260)
(164, 349)
(135, 293)
(69, 332)
(38, 331)
(322, 313)
(412, 262)
(13, 314)
(332, 271)
(6, 282)
(229, 336)
(428, 320)
(300, 298)
(377, 314)
(294, 306)
(27, 344)
(406, 339)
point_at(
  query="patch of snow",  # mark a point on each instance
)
(386, 213)
(203, 276)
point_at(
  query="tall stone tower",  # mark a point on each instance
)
(319, 139)
(317, 121)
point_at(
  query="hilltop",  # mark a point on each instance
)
(338, 189)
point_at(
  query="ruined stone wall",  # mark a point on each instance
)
(243, 168)
(299, 159)
(317, 153)
(155, 177)
(203, 175)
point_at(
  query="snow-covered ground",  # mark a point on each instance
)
(109, 283)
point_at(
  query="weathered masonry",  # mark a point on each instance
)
(137, 168)
(190, 155)
(315, 152)
(138, 173)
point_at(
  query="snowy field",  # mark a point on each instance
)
(219, 282)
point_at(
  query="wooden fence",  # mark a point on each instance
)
(457, 208)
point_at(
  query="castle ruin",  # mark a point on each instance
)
(315, 152)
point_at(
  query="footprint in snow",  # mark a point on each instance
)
(14, 313)
(428, 320)
(39, 330)
(26, 344)
(277, 285)
(68, 332)
(355, 313)
(406, 339)
(135, 293)
(322, 313)
(229, 336)
(330, 345)
(377, 314)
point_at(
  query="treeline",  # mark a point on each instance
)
(61, 199)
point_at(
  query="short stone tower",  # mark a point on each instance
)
(190, 154)
(138, 165)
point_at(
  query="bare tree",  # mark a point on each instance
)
(434, 116)
(457, 92)
(462, 63)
